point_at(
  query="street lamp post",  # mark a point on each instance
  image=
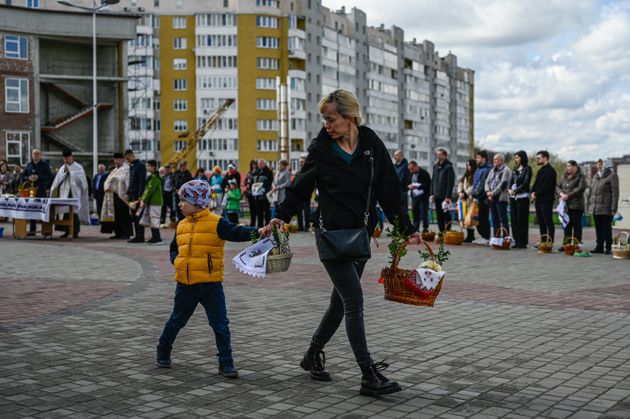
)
(93, 10)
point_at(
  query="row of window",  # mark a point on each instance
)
(267, 125)
(216, 40)
(217, 82)
(376, 119)
(266, 22)
(218, 144)
(216, 61)
(265, 63)
(210, 104)
(266, 104)
(383, 87)
(221, 124)
(266, 83)
(267, 42)
(216, 19)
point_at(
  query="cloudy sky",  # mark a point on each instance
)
(549, 74)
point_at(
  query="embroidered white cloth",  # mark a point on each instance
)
(33, 208)
(427, 279)
(498, 241)
(253, 260)
(562, 213)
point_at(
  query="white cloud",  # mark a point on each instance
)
(550, 74)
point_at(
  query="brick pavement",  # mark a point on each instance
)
(514, 334)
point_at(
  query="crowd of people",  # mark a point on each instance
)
(500, 197)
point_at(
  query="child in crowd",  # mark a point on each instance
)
(233, 207)
(197, 253)
(151, 200)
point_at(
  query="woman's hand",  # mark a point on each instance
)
(266, 230)
(415, 238)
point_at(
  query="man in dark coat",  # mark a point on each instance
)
(137, 180)
(544, 193)
(402, 171)
(38, 172)
(167, 195)
(263, 178)
(97, 187)
(420, 187)
(479, 192)
(181, 176)
(442, 183)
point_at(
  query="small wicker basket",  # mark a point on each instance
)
(394, 283)
(453, 237)
(545, 245)
(621, 247)
(279, 263)
(428, 235)
(571, 246)
(506, 241)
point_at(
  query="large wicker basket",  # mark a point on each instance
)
(395, 288)
(506, 241)
(453, 237)
(571, 246)
(279, 263)
(621, 246)
(545, 245)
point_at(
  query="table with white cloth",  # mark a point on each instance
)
(44, 210)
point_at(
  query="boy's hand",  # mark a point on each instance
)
(269, 227)
(141, 204)
(263, 233)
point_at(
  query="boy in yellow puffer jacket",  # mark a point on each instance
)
(197, 253)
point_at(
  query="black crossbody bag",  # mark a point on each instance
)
(346, 245)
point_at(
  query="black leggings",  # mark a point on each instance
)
(574, 228)
(346, 300)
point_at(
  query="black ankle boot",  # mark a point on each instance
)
(315, 362)
(373, 383)
(164, 356)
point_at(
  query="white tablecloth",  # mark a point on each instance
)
(32, 208)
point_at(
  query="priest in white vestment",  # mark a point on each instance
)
(71, 182)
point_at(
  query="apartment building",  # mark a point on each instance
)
(194, 54)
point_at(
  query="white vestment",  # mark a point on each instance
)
(72, 179)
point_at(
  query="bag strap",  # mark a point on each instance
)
(369, 196)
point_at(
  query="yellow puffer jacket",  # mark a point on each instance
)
(200, 257)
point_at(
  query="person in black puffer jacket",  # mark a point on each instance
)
(339, 163)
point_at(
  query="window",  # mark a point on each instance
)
(180, 84)
(267, 42)
(180, 125)
(267, 145)
(217, 82)
(266, 22)
(266, 125)
(216, 40)
(267, 63)
(180, 63)
(267, 3)
(216, 61)
(179, 43)
(17, 146)
(266, 83)
(216, 19)
(16, 47)
(266, 104)
(226, 3)
(179, 22)
(180, 105)
(32, 4)
(16, 95)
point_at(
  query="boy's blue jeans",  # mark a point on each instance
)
(211, 297)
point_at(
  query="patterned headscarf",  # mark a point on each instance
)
(196, 192)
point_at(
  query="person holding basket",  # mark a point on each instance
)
(351, 169)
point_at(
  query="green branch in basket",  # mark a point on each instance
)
(398, 239)
(282, 241)
(441, 256)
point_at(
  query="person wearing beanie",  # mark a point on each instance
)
(232, 174)
(519, 199)
(196, 251)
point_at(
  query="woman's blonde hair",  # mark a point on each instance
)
(347, 104)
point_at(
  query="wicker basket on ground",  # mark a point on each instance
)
(502, 240)
(279, 263)
(621, 246)
(571, 246)
(545, 245)
(394, 283)
(428, 235)
(452, 236)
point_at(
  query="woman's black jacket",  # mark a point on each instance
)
(521, 177)
(343, 187)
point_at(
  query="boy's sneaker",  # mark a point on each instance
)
(227, 369)
(154, 241)
(163, 356)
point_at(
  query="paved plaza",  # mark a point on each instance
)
(513, 334)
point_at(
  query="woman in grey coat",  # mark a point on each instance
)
(282, 181)
(603, 198)
(571, 190)
(496, 190)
